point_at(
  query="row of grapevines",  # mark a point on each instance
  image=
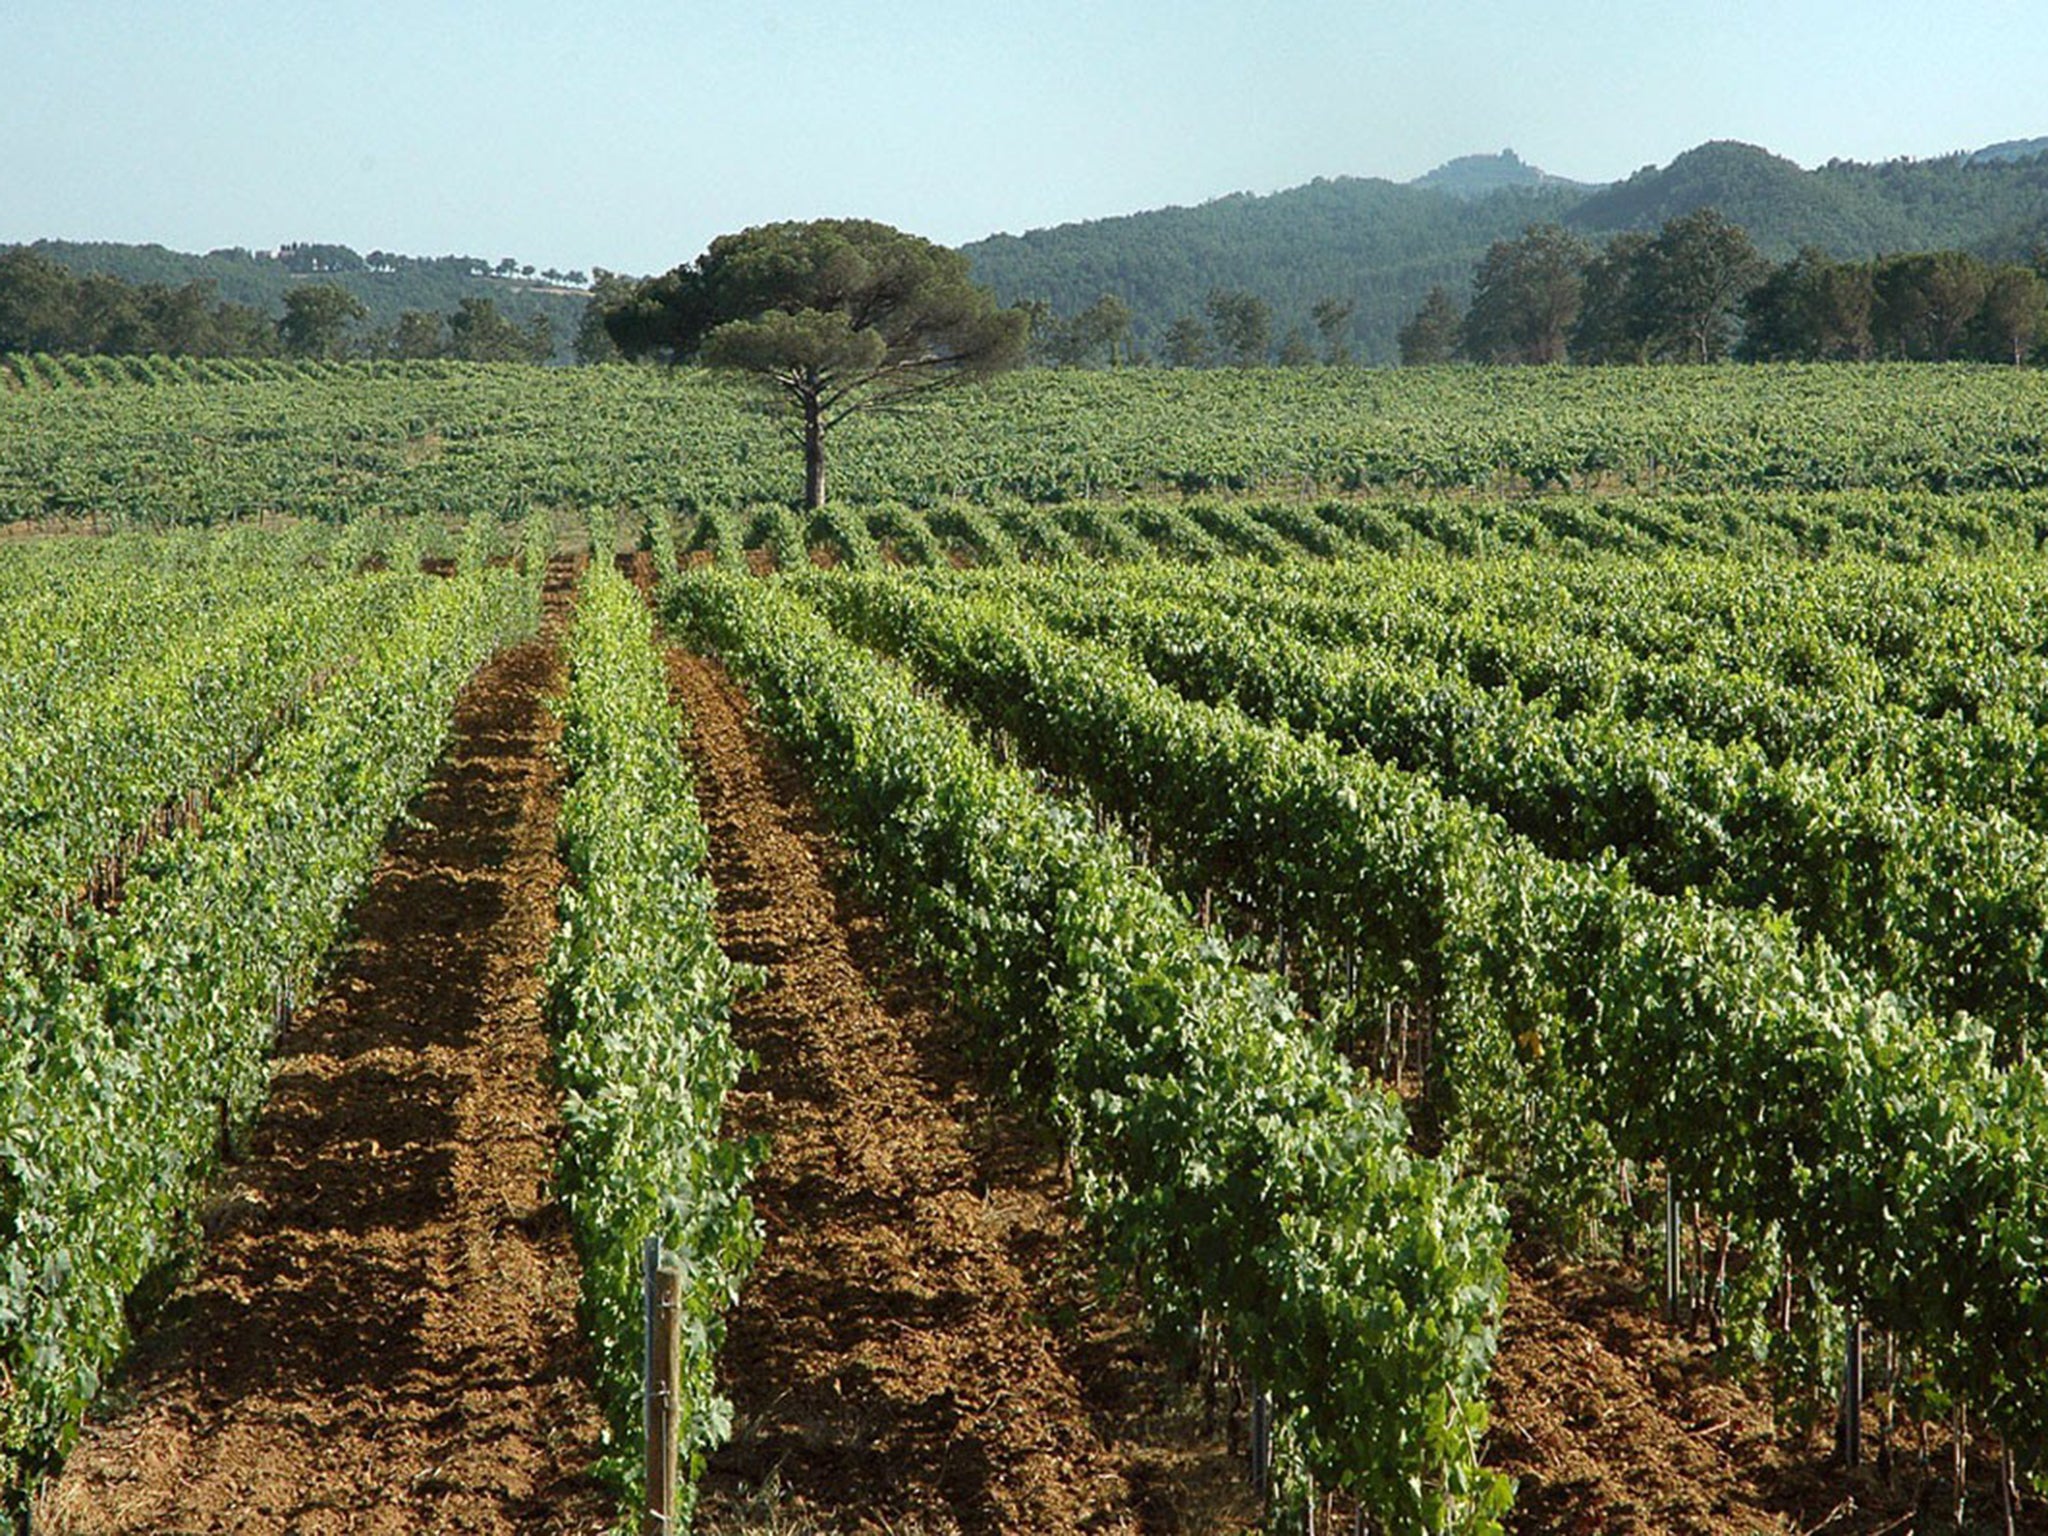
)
(1950, 637)
(29, 370)
(780, 531)
(844, 532)
(79, 610)
(1038, 535)
(1949, 732)
(661, 539)
(639, 994)
(1948, 904)
(146, 745)
(1884, 1151)
(1901, 527)
(1203, 531)
(158, 681)
(975, 533)
(720, 533)
(1231, 1161)
(121, 1064)
(907, 533)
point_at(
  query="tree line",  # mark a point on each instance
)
(305, 258)
(1698, 291)
(46, 307)
(1234, 329)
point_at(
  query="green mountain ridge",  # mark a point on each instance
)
(1995, 207)
(1376, 244)
(2012, 149)
(1382, 246)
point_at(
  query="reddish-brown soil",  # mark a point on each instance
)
(1611, 1423)
(639, 568)
(920, 1347)
(382, 1334)
(1617, 1424)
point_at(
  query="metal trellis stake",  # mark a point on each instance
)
(1851, 1428)
(1262, 1443)
(1673, 1248)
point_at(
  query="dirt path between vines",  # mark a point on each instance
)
(1617, 1423)
(1613, 1423)
(919, 1348)
(382, 1336)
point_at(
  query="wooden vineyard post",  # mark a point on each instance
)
(662, 1388)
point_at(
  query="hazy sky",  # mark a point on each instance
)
(626, 134)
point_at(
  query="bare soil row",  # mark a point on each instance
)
(923, 1346)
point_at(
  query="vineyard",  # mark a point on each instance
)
(1488, 929)
(158, 441)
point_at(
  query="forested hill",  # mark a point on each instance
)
(1375, 243)
(388, 284)
(1381, 246)
(1988, 204)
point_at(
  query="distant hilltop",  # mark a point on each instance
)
(1481, 175)
(2011, 149)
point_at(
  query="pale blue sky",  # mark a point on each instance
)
(627, 134)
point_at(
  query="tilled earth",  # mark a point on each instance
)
(382, 1334)
(921, 1346)
(1616, 1424)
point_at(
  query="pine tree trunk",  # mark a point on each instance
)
(814, 456)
